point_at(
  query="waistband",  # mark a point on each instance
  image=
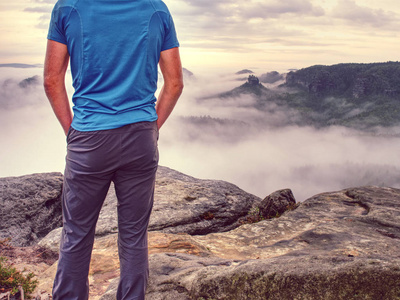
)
(145, 125)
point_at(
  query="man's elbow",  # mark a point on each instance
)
(51, 84)
(48, 83)
(179, 86)
(174, 86)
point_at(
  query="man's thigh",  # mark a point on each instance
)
(135, 179)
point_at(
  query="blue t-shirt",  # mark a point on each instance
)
(114, 48)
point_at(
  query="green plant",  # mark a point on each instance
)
(253, 216)
(11, 279)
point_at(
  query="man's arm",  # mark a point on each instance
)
(171, 68)
(55, 67)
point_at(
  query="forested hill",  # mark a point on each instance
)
(348, 80)
(353, 95)
(362, 96)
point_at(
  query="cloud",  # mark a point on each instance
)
(15, 94)
(46, 1)
(39, 9)
(353, 13)
(261, 151)
(276, 8)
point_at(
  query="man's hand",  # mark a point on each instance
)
(171, 68)
(55, 66)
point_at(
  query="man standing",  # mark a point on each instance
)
(114, 48)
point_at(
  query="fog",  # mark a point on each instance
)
(228, 139)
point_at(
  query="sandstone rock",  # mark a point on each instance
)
(277, 203)
(52, 240)
(182, 277)
(358, 222)
(339, 245)
(30, 207)
(104, 265)
(183, 204)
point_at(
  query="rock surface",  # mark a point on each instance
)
(339, 245)
(104, 265)
(183, 204)
(180, 276)
(30, 207)
(277, 203)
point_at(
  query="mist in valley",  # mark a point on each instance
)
(230, 138)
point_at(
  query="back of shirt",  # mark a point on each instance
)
(114, 46)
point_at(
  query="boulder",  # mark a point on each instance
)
(277, 203)
(184, 204)
(30, 207)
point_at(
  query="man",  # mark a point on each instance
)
(114, 48)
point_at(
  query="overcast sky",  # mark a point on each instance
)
(232, 35)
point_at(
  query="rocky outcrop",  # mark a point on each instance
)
(180, 276)
(271, 77)
(347, 80)
(194, 206)
(339, 245)
(183, 204)
(30, 207)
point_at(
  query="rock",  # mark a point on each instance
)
(30, 207)
(104, 265)
(52, 240)
(277, 203)
(271, 77)
(339, 245)
(182, 277)
(357, 222)
(183, 204)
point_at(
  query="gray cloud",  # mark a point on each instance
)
(261, 152)
(350, 11)
(274, 9)
(46, 1)
(26, 92)
(39, 9)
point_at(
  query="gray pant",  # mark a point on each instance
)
(128, 156)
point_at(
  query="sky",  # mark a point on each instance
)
(232, 35)
(255, 150)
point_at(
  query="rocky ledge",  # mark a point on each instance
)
(210, 240)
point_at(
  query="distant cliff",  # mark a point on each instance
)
(353, 95)
(348, 80)
(362, 96)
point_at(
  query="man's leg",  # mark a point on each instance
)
(87, 178)
(134, 184)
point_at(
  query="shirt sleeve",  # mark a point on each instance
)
(170, 38)
(57, 25)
